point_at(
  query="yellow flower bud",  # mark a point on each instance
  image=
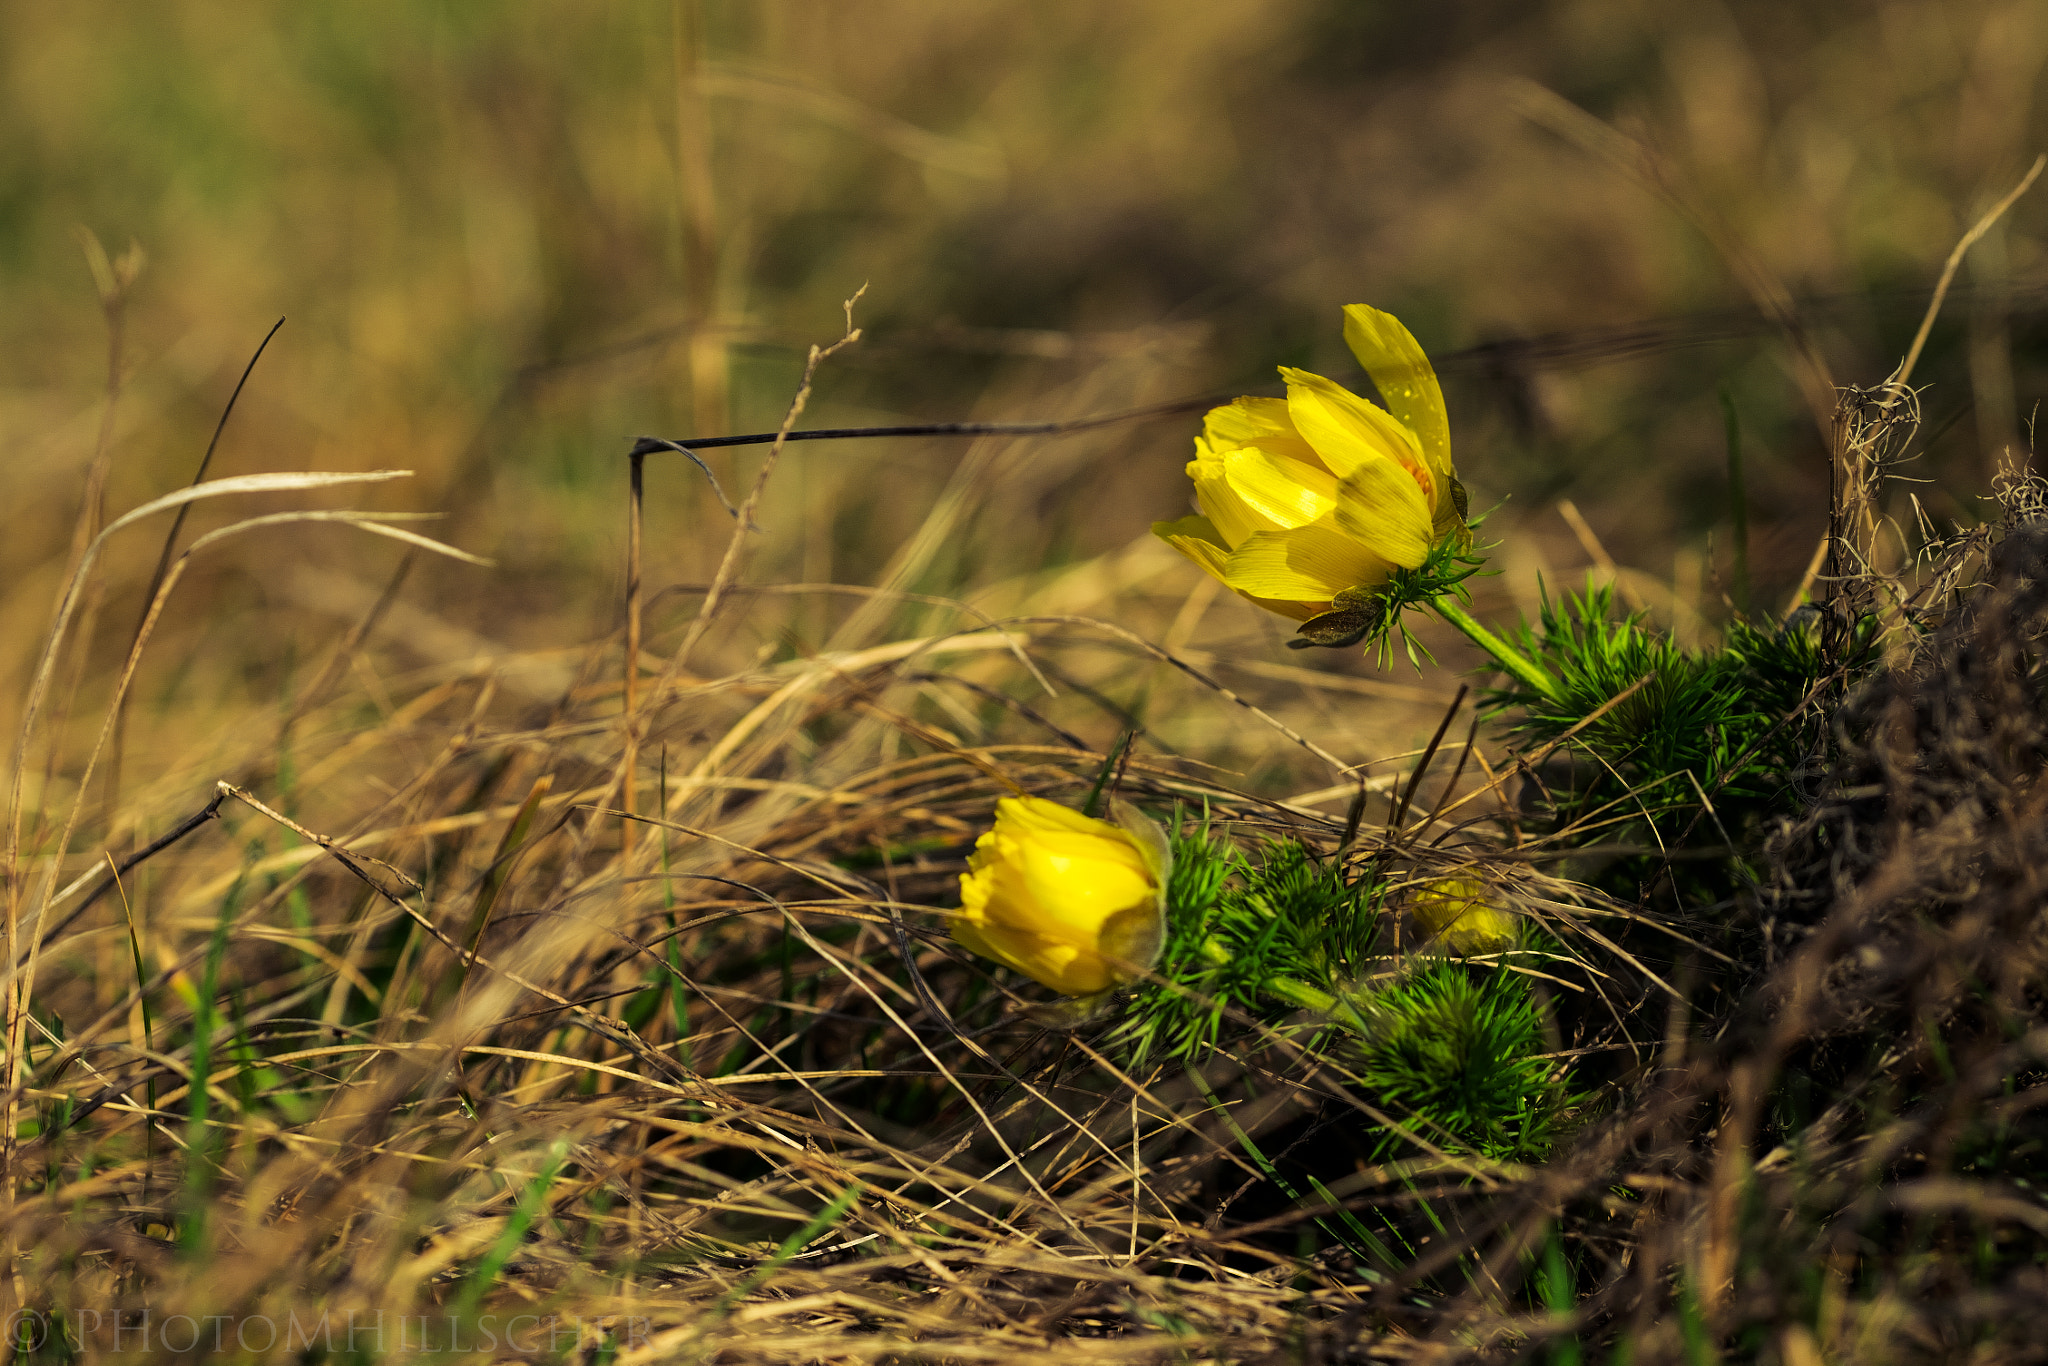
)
(1459, 914)
(1070, 901)
(1306, 498)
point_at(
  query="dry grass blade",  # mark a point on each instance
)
(1904, 374)
(39, 686)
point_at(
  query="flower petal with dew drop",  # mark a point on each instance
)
(1401, 371)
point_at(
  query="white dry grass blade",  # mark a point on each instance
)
(375, 523)
(68, 604)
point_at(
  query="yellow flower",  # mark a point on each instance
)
(1460, 914)
(1070, 901)
(1307, 497)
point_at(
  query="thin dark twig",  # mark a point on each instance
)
(629, 759)
(356, 862)
(210, 811)
(1353, 818)
(1503, 357)
(908, 957)
(345, 652)
(115, 1091)
(119, 745)
(1002, 699)
(1451, 788)
(163, 562)
(1428, 756)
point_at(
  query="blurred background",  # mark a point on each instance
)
(508, 239)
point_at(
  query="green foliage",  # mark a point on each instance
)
(1783, 664)
(1456, 1051)
(1664, 731)
(1255, 936)
(1250, 938)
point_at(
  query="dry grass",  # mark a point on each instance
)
(465, 1052)
(412, 1021)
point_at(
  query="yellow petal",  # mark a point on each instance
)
(1197, 542)
(1261, 422)
(1134, 939)
(1040, 815)
(1287, 493)
(1067, 968)
(1233, 518)
(1346, 430)
(1067, 899)
(1148, 836)
(1298, 610)
(1481, 929)
(1131, 942)
(1379, 505)
(1244, 421)
(1196, 538)
(1460, 914)
(967, 934)
(1402, 373)
(1051, 869)
(1067, 888)
(1310, 565)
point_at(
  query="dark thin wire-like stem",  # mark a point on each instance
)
(649, 445)
(1428, 756)
(119, 746)
(630, 703)
(163, 563)
(1507, 356)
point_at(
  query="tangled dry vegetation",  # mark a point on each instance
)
(626, 1013)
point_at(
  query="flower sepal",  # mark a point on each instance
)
(1370, 613)
(1354, 614)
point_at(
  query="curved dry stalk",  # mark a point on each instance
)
(20, 976)
(67, 605)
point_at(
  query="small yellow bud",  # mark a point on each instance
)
(1070, 901)
(1459, 914)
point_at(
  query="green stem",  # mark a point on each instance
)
(1299, 993)
(1296, 992)
(1526, 671)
